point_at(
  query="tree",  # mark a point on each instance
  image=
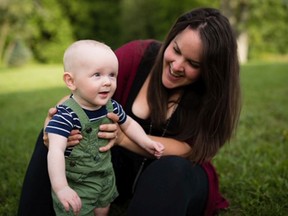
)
(153, 19)
(98, 19)
(237, 12)
(268, 28)
(254, 23)
(47, 27)
(39, 26)
(52, 31)
(13, 21)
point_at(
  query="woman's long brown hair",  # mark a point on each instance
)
(208, 112)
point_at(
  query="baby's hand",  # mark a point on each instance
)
(69, 197)
(158, 149)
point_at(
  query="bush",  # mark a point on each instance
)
(17, 54)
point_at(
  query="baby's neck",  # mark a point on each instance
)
(86, 106)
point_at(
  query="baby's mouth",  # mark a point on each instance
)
(104, 93)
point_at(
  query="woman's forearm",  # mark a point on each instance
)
(172, 146)
(132, 146)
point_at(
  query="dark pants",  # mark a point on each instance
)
(168, 186)
(36, 190)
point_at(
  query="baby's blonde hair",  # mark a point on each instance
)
(71, 54)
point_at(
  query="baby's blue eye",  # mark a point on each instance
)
(112, 74)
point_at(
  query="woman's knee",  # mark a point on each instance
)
(174, 165)
(182, 184)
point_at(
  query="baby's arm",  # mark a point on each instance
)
(56, 169)
(136, 133)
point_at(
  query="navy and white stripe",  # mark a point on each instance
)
(65, 120)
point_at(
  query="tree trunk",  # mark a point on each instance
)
(243, 43)
(4, 29)
(237, 11)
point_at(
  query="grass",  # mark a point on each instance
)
(253, 167)
(25, 96)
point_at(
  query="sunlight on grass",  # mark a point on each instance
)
(30, 78)
(252, 168)
(26, 94)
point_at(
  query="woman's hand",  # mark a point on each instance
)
(73, 139)
(106, 131)
(109, 131)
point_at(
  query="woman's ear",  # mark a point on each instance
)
(69, 80)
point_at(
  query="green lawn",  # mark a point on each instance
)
(253, 168)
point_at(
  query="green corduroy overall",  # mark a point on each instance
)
(89, 172)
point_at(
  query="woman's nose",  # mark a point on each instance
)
(178, 65)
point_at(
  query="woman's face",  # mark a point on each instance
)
(182, 59)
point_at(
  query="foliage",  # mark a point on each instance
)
(52, 33)
(47, 27)
(13, 22)
(252, 168)
(153, 19)
(17, 54)
(265, 35)
(97, 19)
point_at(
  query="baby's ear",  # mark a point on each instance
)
(69, 80)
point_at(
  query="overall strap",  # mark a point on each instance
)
(78, 110)
(109, 106)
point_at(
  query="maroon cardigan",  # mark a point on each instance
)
(130, 56)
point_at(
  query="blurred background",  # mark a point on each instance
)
(42, 29)
(252, 168)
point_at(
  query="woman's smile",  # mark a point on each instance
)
(176, 75)
(181, 60)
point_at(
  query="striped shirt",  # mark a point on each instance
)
(65, 120)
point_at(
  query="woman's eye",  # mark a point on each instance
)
(194, 65)
(177, 51)
(97, 74)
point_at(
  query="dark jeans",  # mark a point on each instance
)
(168, 186)
(36, 197)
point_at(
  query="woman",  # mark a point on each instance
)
(185, 93)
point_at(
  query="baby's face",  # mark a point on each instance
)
(95, 77)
